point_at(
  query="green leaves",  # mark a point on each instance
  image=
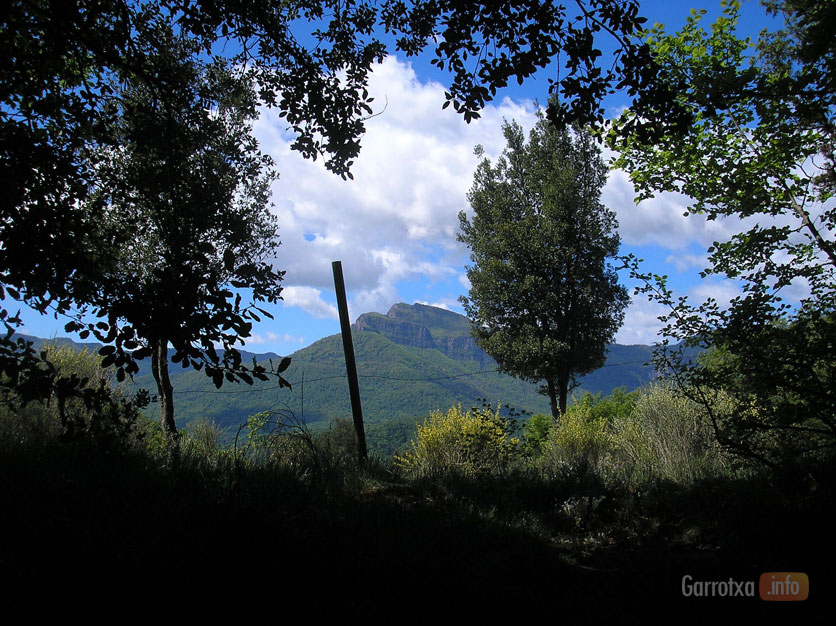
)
(760, 137)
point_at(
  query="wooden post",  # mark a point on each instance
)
(350, 365)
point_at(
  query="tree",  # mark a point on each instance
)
(544, 300)
(760, 148)
(181, 192)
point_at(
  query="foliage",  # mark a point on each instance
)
(83, 403)
(484, 45)
(618, 405)
(469, 443)
(181, 191)
(664, 435)
(544, 299)
(669, 436)
(536, 430)
(781, 385)
(579, 441)
(759, 149)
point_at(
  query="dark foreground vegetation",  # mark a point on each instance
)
(600, 517)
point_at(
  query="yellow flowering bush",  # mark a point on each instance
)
(579, 440)
(468, 443)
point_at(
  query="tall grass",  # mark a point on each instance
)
(664, 437)
(669, 437)
(84, 404)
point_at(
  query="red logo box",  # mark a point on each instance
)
(784, 586)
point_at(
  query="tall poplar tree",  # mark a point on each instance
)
(544, 298)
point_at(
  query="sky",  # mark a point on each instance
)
(394, 226)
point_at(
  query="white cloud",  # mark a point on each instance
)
(684, 262)
(722, 291)
(309, 299)
(661, 220)
(641, 322)
(255, 339)
(272, 338)
(447, 304)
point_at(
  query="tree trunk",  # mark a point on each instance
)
(563, 392)
(159, 367)
(553, 401)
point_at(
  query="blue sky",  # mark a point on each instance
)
(394, 226)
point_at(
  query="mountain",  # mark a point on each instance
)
(422, 326)
(412, 360)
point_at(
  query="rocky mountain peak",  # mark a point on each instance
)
(424, 326)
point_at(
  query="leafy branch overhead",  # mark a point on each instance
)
(759, 151)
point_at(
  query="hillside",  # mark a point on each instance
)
(412, 360)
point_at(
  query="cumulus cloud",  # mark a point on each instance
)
(310, 300)
(684, 262)
(722, 291)
(448, 304)
(661, 220)
(271, 338)
(641, 323)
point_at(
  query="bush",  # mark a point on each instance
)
(536, 430)
(616, 406)
(578, 443)
(469, 444)
(200, 448)
(678, 443)
(662, 436)
(82, 402)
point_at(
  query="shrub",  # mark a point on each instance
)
(200, 446)
(536, 430)
(82, 403)
(471, 443)
(339, 442)
(678, 442)
(616, 406)
(662, 436)
(578, 443)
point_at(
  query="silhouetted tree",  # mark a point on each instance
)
(761, 146)
(181, 193)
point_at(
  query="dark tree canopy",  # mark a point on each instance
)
(181, 195)
(544, 299)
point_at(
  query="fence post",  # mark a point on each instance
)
(350, 365)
